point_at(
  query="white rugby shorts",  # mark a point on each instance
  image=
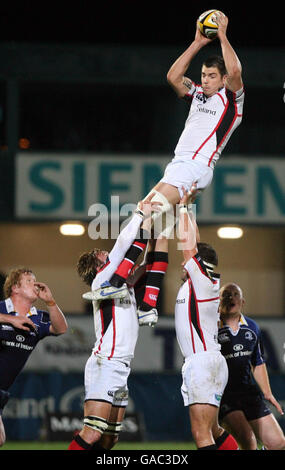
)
(106, 380)
(205, 377)
(180, 173)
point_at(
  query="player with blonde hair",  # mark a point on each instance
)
(17, 314)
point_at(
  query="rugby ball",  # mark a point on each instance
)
(207, 24)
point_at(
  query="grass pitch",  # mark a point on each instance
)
(23, 445)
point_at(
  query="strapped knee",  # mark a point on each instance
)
(159, 197)
(164, 220)
(96, 423)
(113, 428)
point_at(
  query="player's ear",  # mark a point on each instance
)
(15, 288)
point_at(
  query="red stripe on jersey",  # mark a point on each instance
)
(208, 300)
(200, 267)
(189, 315)
(229, 129)
(114, 329)
(198, 319)
(219, 94)
(102, 330)
(213, 132)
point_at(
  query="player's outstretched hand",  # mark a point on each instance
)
(222, 22)
(22, 323)
(189, 196)
(199, 38)
(147, 206)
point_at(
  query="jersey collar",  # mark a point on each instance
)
(242, 321)
(10, 308)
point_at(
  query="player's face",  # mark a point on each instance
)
(26, 287)
(211, 80)
(184, 275)
(102, 257)
(231, 300)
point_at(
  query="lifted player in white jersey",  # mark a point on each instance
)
(204, 371)
(116, 330)
(215, 112)
(216, 108)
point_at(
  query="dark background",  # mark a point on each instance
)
(135, 22)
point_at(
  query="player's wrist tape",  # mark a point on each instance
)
(140, 213)
(183, 208)
(50, 303)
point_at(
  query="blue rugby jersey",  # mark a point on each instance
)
(16, 345)
(241, 349)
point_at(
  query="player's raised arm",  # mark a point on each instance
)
(187, 229)
(232, 62)
(57, 318)
(141, 217)
(176, 74)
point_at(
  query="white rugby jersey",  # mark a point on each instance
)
(116, 327)
(209, 125)
(196, 310)
(115, 320)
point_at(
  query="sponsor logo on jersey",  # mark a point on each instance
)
(248, 335)
(202, 109)
(223, 338)
(201, 97)
(20, 338)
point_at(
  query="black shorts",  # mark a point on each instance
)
(252, 405)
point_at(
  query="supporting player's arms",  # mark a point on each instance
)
(128, 234)
(20, 322)
(187, 229)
